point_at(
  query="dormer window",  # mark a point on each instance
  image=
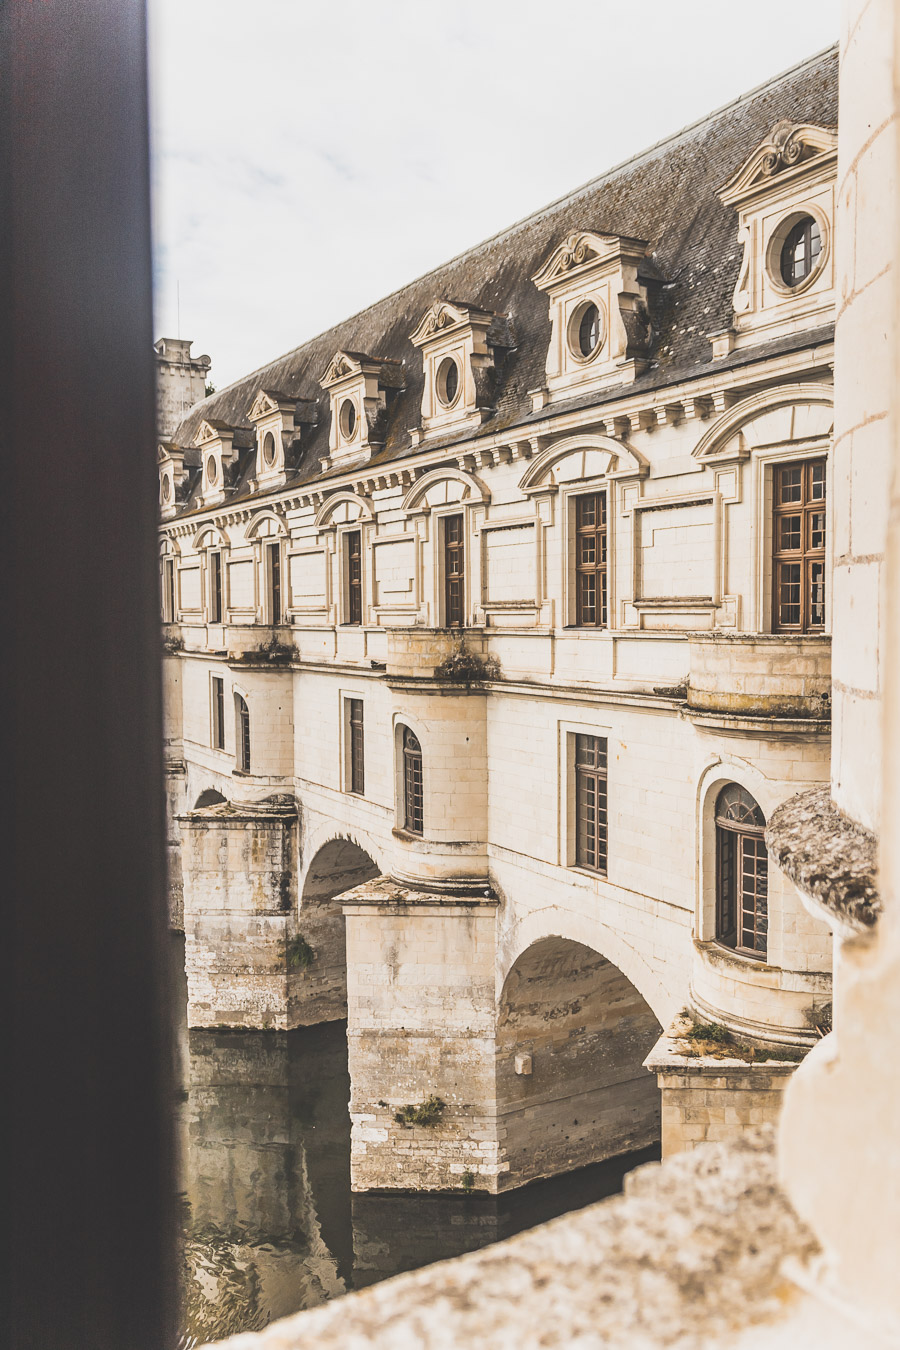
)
(784, 196)
(216, 444)
(170, 463)
(275, 418)
(598, 291)
(460, 348)
(361, 389)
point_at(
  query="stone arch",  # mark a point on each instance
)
(330, 509)
(209, 536)
(771, 417)
(581, 457)
(209, 797)
(169, 547)
(263, 517)
(557, 922)
(572, 1036)
(456, 485)
(337, 865)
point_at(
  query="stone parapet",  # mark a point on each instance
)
(418, 652)
(762, 674)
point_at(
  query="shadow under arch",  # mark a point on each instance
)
(209, 797)
(321, 989)
(572, 1035)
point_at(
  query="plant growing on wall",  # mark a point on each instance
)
(300, 955)
(428, 1112)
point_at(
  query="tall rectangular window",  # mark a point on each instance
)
(242, 720)
(168, 590)
(217, 690)
(590, 802)
(353, 546)
(798, 562)
(273, 582)
(215, 587)
(357, 747)
(590, 560)
(454, 572)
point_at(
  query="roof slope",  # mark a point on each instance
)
(667, 196)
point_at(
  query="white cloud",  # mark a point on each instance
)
(311, 158)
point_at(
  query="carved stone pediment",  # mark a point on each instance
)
(211, 429)
(445, 315)
(788, 146)
(577, 250)
(359, 386)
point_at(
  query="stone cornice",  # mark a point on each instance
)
(699, 398)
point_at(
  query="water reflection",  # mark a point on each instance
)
(270, 1223)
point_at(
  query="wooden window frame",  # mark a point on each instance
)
(274, 582)
(353, 576)
(242, 734)
(591, 754)
(454, 559)
(168, 589)
(413, 782)
(215, 586)
(217, 711)
(356, 746)
(739, 843)
(807, 558)
(596, 531)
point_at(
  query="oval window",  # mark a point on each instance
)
(589, 330)
(348, 419)
(800, 251)
(448, 381)
(269, 448)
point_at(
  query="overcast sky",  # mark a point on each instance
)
(310, 158)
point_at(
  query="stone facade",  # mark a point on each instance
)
(571, 542)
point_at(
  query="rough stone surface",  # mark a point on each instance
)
(828, 856)
(691, 1254)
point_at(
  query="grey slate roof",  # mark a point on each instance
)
(667, 196)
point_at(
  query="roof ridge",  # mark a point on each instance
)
(569, 196)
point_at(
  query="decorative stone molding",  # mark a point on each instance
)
(788, 178)
(442, 486)
(770, 417)
(597, 286)
(831, 860)
(360, 387)
(459, 361)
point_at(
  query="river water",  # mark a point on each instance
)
(271, 1225)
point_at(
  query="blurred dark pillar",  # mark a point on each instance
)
(88, 1209)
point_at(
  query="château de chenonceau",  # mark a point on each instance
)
(501, 713)
(498, 629)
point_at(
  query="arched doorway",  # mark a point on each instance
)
(209, 797)
(572, 1036)
(317, 961)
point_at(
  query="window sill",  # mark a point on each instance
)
(408, 836)
(592, 872)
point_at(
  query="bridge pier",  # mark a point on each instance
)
(545, 1079)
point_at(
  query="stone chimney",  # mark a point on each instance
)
(180, 382)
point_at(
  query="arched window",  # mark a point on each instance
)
(242, 733)
(413, 799)
(742, 873)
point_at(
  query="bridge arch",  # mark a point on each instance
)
(665, 998)
(572, 1036)
(319, 954)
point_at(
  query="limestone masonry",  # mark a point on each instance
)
(497, 628)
